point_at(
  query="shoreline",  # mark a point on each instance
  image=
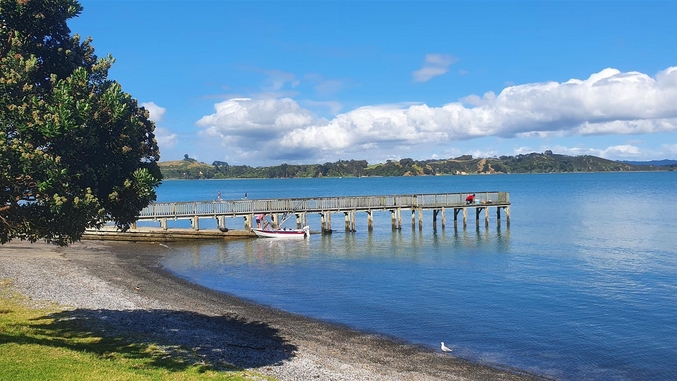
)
(111, 282)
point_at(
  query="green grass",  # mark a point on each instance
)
(36, 346)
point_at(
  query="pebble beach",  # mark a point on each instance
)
(115, 288)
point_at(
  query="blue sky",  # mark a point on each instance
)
(264, 83)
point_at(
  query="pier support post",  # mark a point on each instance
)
(163, 223)
(420, 219)
(370, 221)
(347, 220)
(507, 215)
(465, 217)
(352, 222)
(498, 216)
(276, 220)
(323, 221)
(456, 211)
(393, 218)
(329, 221)
(444, 218)
(299, 220)
(248, 222)
(435, 219)
(486, 216)
(221, 222)
(195, 223)
(477, 216)
(413, 218)
(399, 218)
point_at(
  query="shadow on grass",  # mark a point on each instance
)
(171, 340)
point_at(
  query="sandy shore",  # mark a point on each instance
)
(111, 285)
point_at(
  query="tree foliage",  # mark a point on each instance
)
(466, 164)
(75, 150)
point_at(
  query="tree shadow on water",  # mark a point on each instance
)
(167, 339)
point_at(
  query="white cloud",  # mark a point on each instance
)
(329, 87)
(443, 60)
(616, 152)
(613, 152)
(165, 138)
(670, 149)
(271, 95)
(609, 102)
(278, 79)
(434, 65)
(426, 73)
(244, 116)
(475, 100)
(333, 106)
(543, 134)
(156, 112)
(483, 153)
(255, 125)
(522, 150)
(620, 151)
(324, 86)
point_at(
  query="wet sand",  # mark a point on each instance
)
(123, 285)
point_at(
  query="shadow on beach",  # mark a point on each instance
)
(168, 339)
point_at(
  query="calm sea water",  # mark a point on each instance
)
(581, 286)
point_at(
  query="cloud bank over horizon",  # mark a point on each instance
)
(609, 102)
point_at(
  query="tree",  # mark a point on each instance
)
(407, 162)
(75, 150)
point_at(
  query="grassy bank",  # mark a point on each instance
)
(43, 343)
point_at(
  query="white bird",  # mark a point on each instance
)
(445, 348)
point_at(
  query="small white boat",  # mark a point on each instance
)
(282, 233)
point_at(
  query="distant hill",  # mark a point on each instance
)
(657, 163)
(546, 162)
(532, 163)
(186, 169)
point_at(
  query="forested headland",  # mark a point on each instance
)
(546, 162)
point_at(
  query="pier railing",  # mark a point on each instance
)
(319, 204)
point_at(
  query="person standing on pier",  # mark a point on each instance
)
(259, 218)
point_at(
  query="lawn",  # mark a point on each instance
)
(35, 344)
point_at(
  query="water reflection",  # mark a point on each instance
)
(375, 244)
(480, 238)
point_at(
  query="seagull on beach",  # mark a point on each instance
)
(445, 348)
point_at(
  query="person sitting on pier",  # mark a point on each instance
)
(470, 199)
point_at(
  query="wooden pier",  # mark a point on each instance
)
(440, 204)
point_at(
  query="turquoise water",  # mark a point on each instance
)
(581, 286)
